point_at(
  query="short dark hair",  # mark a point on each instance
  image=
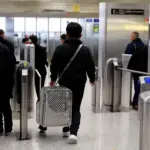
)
(137, 34)
(25, 40)
(34, 39)
(63, 37)
(1, 32)
(74, 30)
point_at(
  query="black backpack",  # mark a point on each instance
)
(139, 59)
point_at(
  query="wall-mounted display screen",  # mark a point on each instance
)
(96, 28)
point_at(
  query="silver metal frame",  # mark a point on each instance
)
(95, 91)
(24, 106)
(126, 87)
(112, 84)
(29, 56)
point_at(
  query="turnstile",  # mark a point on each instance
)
(18, 89)
(126, 86)
(112, 85)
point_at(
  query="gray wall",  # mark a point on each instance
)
(115, 30)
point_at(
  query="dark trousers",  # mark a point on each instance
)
(6, 113)
(37, 83)
(137, 90)
(78, 91)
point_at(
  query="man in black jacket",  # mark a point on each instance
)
(137, 62)
(40, 63)
(75, 76)
(7, 66)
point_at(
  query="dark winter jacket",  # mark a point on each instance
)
(81, 66)
(40, 59)
(7, 67)
(8, 44)
(132, 46)
(139, 58)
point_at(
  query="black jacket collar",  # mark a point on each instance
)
(137, 40)
(73, 41)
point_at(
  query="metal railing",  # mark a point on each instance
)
(39, 76)
(133, 71)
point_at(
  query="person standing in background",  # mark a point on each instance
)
(7, 66)
(40, 63)
(136, 47)
(25, 41)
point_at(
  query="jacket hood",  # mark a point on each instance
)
(73, 41)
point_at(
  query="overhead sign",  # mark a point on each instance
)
(89, 20)
(127, 11)
(76, 8)
(96, 20)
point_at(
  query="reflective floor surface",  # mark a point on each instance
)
(104, 131)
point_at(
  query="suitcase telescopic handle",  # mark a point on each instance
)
(38, 74)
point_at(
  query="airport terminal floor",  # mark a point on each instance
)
(104, 131)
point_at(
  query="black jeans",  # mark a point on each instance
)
(137, 90)
(78, 91)
(6, 113)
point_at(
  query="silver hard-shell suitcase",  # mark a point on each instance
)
(54, 107)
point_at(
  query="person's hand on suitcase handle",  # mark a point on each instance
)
(52, 83)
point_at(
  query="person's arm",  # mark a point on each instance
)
(90, 67)
(54, 67)
(12, 47)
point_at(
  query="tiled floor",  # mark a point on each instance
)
(104, 131)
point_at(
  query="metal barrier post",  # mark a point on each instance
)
(116, 101)
(29, 56)
(24, 106)
(95, 96)
(22, 95)
(144, 121)
(112, 85)
(126, 83)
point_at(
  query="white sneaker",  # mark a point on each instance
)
(65, 134)
(73, 139)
